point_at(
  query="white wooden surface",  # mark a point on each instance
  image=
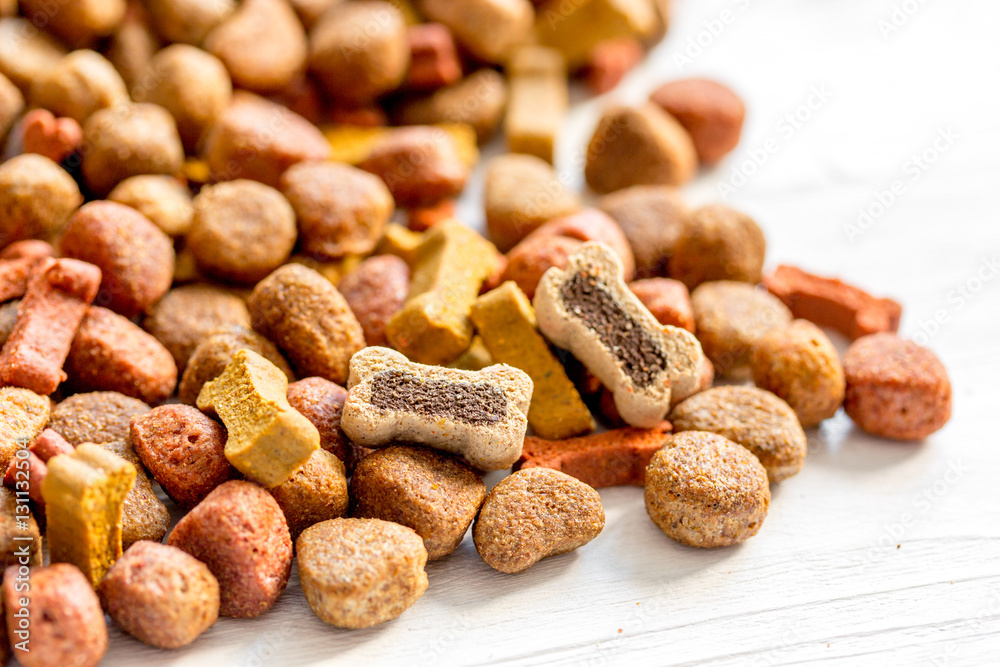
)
(877, 553)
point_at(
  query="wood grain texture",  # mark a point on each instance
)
(877, 553)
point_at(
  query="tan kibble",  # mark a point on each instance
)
(78, 85)
(533, 514)
(539, 97)
(77, 23)
(489, 29)
(23, 415)
(477, 100)
(188, 21)
(27, 54)
(37, 198)
(97, 417)
(316, 492)
(653, 218)
(718, 243)
(132, 47)
(163, 199)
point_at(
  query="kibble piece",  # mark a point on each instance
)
(316, 492)
(23, 415)
(800, 365)
(668, 300)
(609, 61)
(718, 243)
(11, 105)
(243, 143)
(160, 595)
(310, 11)
(37, 197)
(136, 259)
(489, 29)
(751, 417)
(78, 85)
(356, 71)
(576, 28)
(533, 514)
(375, 291)
(357, 573)
(55, 138)
(450, 266)
(80, 22)
(66, 621)
(896, 388)
(639, 146)
(262, 44)
(186, 315)
(653, 219)
(419, 165)
(144, 516)
(434, 59)
(305, 315)
(110, 353)
(528, 261)
(162, 199)
(268, 439)
(84, 496)
(588, 309)
(506, 322)
(729, 318)
(478, 415)
(20, 541)
(435, 494)
(590, 224)
(132, 45)
(26, 53)
(322, 402)
(193, 86)
(522, 192)
(188, 21)
(212, 355)
(475, 358)
(706, 491)
(340, 209)
(477, 100)
(710, 112)
(241, 230)
(539, 96)
(183, 450)
(97, 417)
(239, 532)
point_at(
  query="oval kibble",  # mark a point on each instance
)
(718, 243)
(528, 261)
(316, 492)
(375, 290)
(188, 21)
(27, 54)
(668, 300)
(79, 22)
(163, 199)
(78, 85)
(37, 198)
(653, 219)
(322, 402)
(96, 417)
(710, 111)
(144, 516)
(420, 165)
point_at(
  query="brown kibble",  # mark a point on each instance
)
(26, 53)
(183, 450)
(668, 300)
(609, 61)
(489, 29)
(533, 514)
(800, 365)
(433, 493)
(718, 243)
(78, 23)
(896, 388)
(144, 516)
(751, 417)
(316, 492)
(322, 402)
(239, 532)
(590, 224)
(133, 45)
(136, 259)
(241, 230)
(375, 291)
(20, 539)
(653, 219)
(477, 100)
(705, 491)
(188, 21)
(37, 197)
(11, 106)
(420, 165)
(160, 595)
(44, 134)
(433, 59)
(613, 458)
(78, 85)
(97, 417)
(340, 209)
(163, 199)
(710, 112)
(357, 573)
(532, 257)
(832, 303)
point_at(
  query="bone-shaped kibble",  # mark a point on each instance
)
(268, 439)
(590, 311)
(478, 415)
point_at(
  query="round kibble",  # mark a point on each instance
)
(718, 243)
(375, 291)
(79, 22)
(711, 113)
(420, 165)
(653, 218)
(162, 199)
(27, 54)
(322, 402)
(97, 417)
(668, 300)
(37, 198)
(706, 491)
(78, 85)
(144, 516)
(315, 492)
(188, 21)
(532, 257)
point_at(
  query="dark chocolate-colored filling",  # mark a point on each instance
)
(469, 402)
(638, 354)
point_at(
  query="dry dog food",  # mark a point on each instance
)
(710, 112)
(96, 417)
(653, 218)
(188, 21)
(357, 573)
(322, 402)
(705, 491)
(15, 273)
(800, 365)
(478, 415)
(239, 532)
(896, 388)
(730, 317)
(78, 23)
(613, 458)
(433, 493)
(305, 315)
(65, 623)
(718, 243)
(144, 516)
(31, 473)
(23, 415)
(132, 46)
(478, 100)
(489, 29)
(375, 290)
(84, 496)
(160, 595)
(241, 230)
(475, 358)
(186, 315)
(420, 165)
(639, 146)
(528, 261)
(11, 106)
(507, 325)
(538, 100)
(829, 302)
(136, 259)
(434, 60)
(576, 28)
(77, 86)
(268, 440)
(37, 198)
(44, 134)
(751, 417)
(668, 301)
(162, 199)
(533, 514)
(26, 54)
(609, 61)
(20, 540)
(110, 353)
(183, 450)
(588, 310)
(315, 492)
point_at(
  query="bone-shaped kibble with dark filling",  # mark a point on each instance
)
(588, 309)
(478, 415)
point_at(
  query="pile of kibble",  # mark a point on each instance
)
(232, 281)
